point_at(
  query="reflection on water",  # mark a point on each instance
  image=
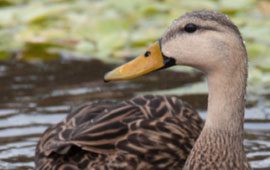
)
(33, 96)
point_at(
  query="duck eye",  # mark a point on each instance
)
(190, 28)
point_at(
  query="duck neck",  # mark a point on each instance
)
(226, 100)
(222, 136)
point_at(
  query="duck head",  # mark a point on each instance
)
(205, 40)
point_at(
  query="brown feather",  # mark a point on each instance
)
(148, 132)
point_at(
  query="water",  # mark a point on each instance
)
(33, 96)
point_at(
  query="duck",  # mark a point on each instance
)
(163, 132)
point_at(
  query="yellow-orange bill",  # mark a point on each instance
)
(150, 61)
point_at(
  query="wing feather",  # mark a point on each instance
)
(144, 132)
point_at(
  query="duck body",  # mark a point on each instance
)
(147, 132)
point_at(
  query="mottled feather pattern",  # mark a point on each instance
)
(147, 132)
(217, 150)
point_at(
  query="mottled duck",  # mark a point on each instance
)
(158, 132)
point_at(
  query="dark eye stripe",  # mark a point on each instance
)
(181, 30)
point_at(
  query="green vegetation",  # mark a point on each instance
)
(112, 30)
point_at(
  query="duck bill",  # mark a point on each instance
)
(150, 61)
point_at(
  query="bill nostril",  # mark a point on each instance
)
(147, 54)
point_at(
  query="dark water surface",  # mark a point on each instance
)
(33, 96)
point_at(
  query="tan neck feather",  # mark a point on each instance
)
(226, 101)
(222, 136)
